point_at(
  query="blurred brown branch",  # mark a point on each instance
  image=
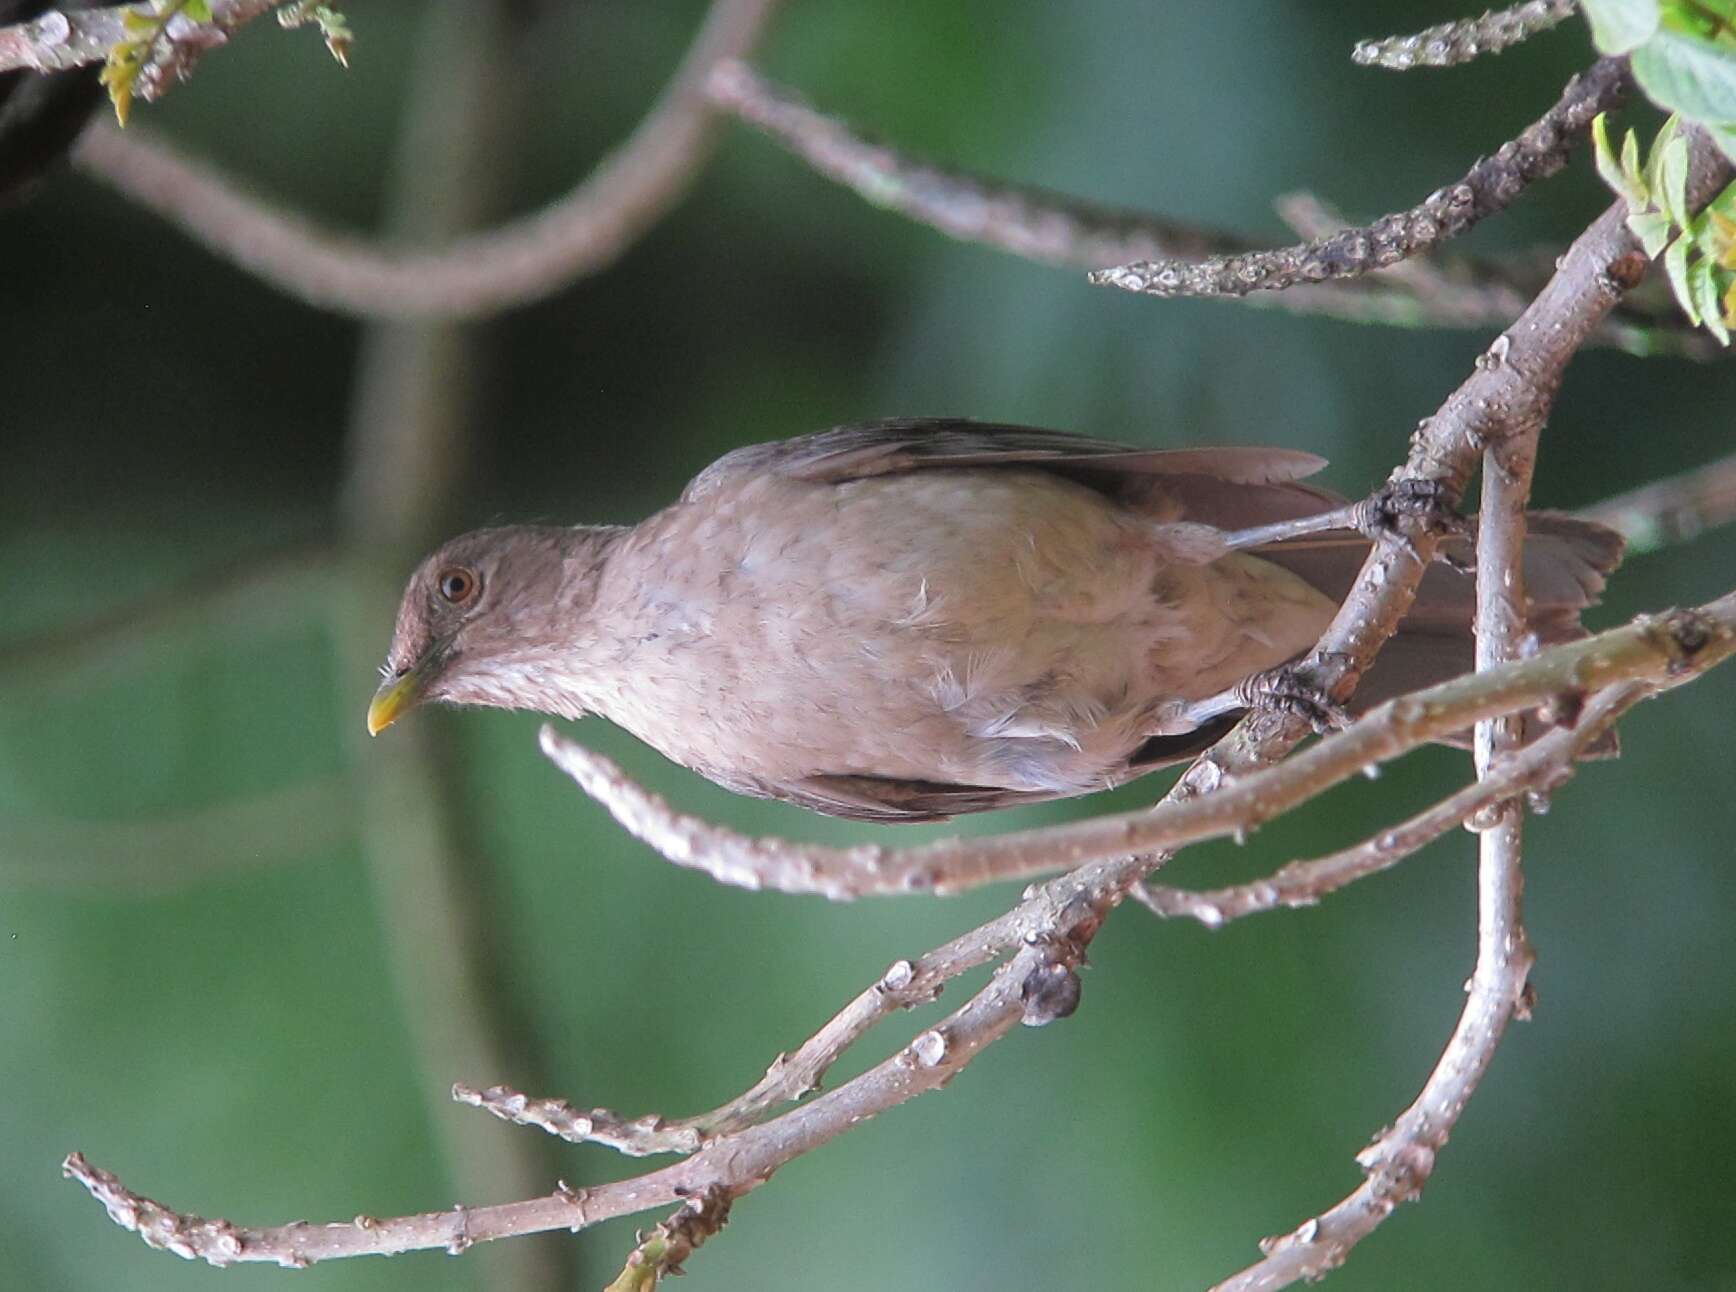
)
(1676, 510)
(469, 276)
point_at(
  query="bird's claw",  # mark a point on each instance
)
(1401, 509)
(1285, 690)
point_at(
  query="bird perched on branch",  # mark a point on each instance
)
(906, 620)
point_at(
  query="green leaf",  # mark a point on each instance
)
(1630, 167)
(1652, 228)
(1608, 166)
(1676, 266)
(1688, 75)
(1703, 285)
(1620, 25)
(1724, 135)
(198, 10)
(1654, 159)
(1672, 186)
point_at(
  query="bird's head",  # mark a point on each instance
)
(483, 619)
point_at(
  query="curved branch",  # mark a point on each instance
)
(1488, 187)
(1651, 649)
(1052, 228)
(1540, 768)
(469, 277)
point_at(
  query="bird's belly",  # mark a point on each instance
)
(1010, 630)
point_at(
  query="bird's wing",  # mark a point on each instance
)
(889, 801)
(847, 453)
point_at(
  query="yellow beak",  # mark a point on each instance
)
(393, 699)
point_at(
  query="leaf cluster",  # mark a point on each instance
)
(1683, 54)
(128, 59)
(1699, 251)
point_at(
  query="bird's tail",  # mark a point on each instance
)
(1566, 562)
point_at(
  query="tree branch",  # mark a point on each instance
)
(66, 38)
(1650, 649)
(1451, 43)
(1488, 187)
(473, 276)
(1672, 511)
(1055, 229)
(1541, 767)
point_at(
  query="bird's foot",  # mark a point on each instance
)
(1402, 509)
(1285, 690)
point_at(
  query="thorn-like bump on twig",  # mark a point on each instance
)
(1050, 992)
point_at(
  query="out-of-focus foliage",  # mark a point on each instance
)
(1683, 53)
(227, 1035)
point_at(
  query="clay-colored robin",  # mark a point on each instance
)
(910, 619)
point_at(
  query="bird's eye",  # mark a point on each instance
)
(457, 584)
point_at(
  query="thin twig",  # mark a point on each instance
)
(1402, 1158)
(1053, 228)
(1061, 916)
(1676, 510)
(1449, 44)
(254, 592)
(1475, 293)
(905, 985)
(1489, 186)
(1648, 649)
(474, 276)
(1541, 767)
(163, 854)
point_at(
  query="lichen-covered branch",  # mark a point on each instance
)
(1489, 186)
(471, 276)
(1449, 44)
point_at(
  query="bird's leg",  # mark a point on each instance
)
(1284, 689)
(1392, 511)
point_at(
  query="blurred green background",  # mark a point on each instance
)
(231, 929)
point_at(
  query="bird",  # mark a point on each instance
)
(906, 620)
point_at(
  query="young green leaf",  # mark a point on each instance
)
(1676, 266)
(1618, 26)
(1688, 75)
(1652, 228)
(1607, 165)
(1703, 288)
(1672, 185)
